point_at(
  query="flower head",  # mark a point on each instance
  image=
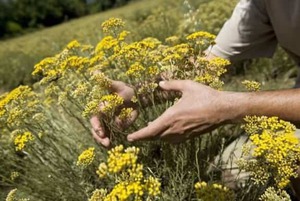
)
(86, 157)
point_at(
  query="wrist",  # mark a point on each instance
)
(236, 105)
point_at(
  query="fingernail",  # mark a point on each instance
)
(161, 83)
(101, 133)
(129, 139)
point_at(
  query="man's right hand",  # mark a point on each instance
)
(101, 135)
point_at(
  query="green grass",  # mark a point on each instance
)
(18, 55)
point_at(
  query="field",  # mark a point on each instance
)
(46, 147)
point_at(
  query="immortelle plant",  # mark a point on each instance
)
(50, 128)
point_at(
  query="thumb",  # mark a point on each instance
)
(173, 85)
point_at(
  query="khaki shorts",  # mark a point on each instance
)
(231, 174)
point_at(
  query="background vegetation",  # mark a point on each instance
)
(20, 16)
(155, 18)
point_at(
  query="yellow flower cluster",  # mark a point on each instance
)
(172, 40)
(101, 80)
(111, 103)
(125, 114)
(212, 70)
(77, 63)
(118, 159)
(12, 196)
(21, 140)
(73, 44)
(202, 38)
(276, 150)
(209, 192)
(135, 70)
(271, 194)
(130, 181)
(251, 85)
(98, 195)
(17, 95)
(14, 175)
(112, 24)
(86, 158)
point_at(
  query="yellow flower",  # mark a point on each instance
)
(208, 192)
(111, 103)
(123, 35)
(251, 85)
(86, 157)
(11, 195)
(129, 177)
(271, 194)
(14, 175)
(136, 70)
(73, 44)
(276, 150)
(101, 80)
(112, 24)
(172, 40)
(125, 114)
(98, 195)
(107, 43)
(201, 38)
(21, 140)
(152, 185)
(102, 170)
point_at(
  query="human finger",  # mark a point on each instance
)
(96, 125)
(101, 140)
(173, 85)
(151, 131)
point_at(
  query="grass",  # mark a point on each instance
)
(18, 55)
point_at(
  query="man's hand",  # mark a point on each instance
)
(98, 130)
(199, 110)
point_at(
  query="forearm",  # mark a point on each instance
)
(284, 104)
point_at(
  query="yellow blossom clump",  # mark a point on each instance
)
(101, 80)
(130, 182)
(111, 102)
(102, 170)
(86, 157)
(21, 140)
(153, 186)
(251, 85)
(276, 151)
(201, 38)
(271, 194)
(98, 195)
(18, 107)
(125, 114)
(117, 159)
(122, 36)
(212, 71)
(91, 108)
(106, 44)
(14, 175)
(112, 24)
(172, 40)
(73, 44)
(209, 192)
(11, 196)
(77, 63)
(135, 70)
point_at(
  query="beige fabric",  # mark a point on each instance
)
(255, 28)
